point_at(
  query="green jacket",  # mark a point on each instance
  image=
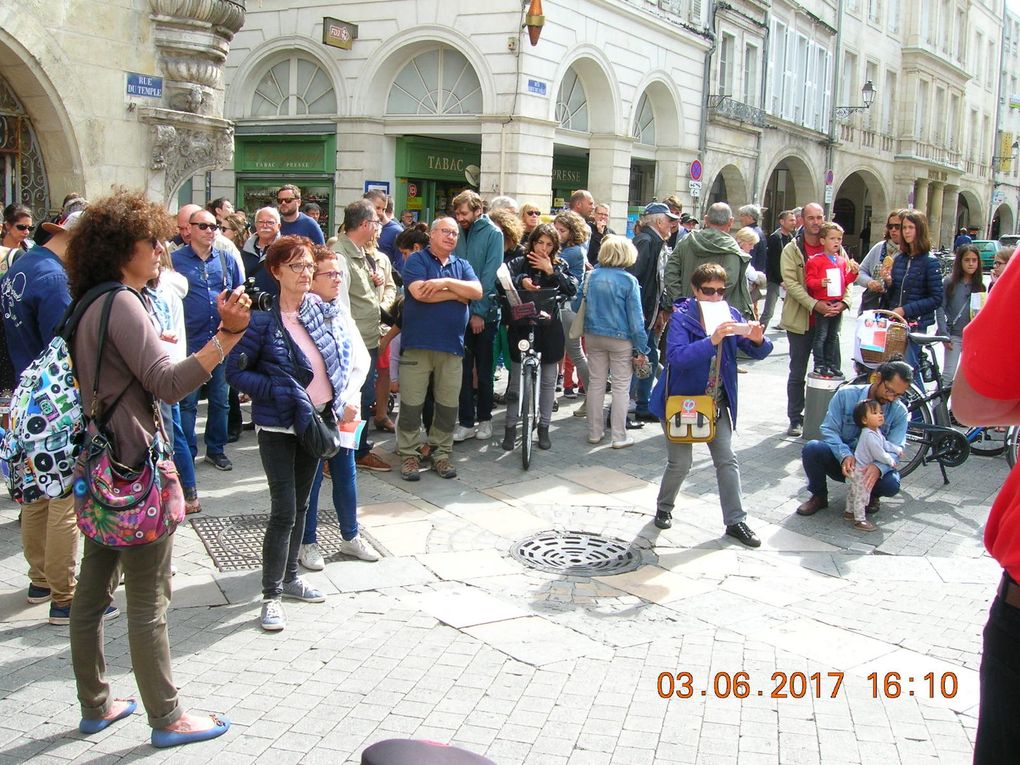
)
(363, 293)
(798, 304)
(709, 245)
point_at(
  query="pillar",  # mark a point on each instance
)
(950, 204)
(609, 174)
(936, 191)
(921, 195)
(517, 160)
(363, 152)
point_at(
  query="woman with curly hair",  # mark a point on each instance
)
(117, 240)
(573, 233)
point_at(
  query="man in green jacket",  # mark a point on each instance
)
(713, 244)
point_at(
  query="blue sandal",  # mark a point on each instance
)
(94, 726)
(162, 739)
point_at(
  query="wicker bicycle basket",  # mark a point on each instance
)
(895, 339)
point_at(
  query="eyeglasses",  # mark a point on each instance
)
(710, 291)
(285, 200)
(892, 391)
(297, 268)
(446, 232)
(265, 222)
(331, 275)
(893, 226)
(22, 226)
(206, 226)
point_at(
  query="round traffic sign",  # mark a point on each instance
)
(412, 190)
(696, 170)
(828, 177)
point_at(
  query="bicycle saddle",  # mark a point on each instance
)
(919, 339)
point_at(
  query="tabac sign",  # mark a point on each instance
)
(339, 34)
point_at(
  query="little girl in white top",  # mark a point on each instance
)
(872, 447)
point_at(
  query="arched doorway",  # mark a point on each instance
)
(860, 207)
(790, 185)
(968, 212)
(655, 128)
(22, 170)
(728, 186)
(1002, 222)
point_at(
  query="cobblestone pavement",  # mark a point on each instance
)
(449, 638)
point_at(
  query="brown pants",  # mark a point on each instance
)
(147, 586)
(49, 537)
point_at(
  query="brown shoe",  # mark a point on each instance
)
(813, 505)
(386, 425)
(409, 469)
(865, 526)
(444, 467)
(372, 461)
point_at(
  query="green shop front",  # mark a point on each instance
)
(430, 172)
(569, 174)
(263, 163)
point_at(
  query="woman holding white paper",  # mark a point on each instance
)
(693, 366)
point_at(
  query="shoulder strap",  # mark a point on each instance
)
(718, 371)
(223, 267)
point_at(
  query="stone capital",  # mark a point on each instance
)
(184, 144)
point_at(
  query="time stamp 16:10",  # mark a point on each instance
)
(799, 685)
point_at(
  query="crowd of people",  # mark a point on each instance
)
(304, 329)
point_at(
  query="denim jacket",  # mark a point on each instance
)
(613, 307)
(840, 432)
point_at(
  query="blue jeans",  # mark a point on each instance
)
(345, 497)
(183, 458)
(642, 389)
(368, 398)
(820, 462)
(216, 416)
(478, 352)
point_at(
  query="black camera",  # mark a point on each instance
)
(260, 299)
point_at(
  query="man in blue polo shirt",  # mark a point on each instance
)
(209, 271)
(438, 287)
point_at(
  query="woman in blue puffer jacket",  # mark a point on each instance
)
(691, 366)
(289, 363)
(914, 287)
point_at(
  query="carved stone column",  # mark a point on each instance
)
(184, 144)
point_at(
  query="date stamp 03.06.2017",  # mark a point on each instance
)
(799, 685)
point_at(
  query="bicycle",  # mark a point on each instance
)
(528, 314)
(931, 435)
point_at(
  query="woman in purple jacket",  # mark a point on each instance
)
(691, 365)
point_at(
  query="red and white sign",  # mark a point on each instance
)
(412, 190)
(696, 170)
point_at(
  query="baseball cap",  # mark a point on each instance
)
(658, 208)
(65, 224)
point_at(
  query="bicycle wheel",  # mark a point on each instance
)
(988, 442)
(1012, 445)
(527, 412)
(918, 440)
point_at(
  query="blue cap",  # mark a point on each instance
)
(658, 208)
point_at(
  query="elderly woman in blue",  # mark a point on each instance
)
(691, 358)
(290, 363)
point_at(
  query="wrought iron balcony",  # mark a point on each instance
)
(731, 109)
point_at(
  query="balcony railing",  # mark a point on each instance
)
(930, 152)
(728, 107)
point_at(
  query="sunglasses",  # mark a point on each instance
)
(206, 226)
(893, 226)
(22, 227)
(285, 200)
(534, 212)
(710, 291)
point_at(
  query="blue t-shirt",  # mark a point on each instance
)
(388, 244)
(206, 280)
(34, 297)
(303, 226)
(434, 326)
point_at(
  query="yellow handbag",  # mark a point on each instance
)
(691, 419)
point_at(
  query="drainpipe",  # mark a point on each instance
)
(831, 143)
(998, 126)
(705, 84)
(761, 96)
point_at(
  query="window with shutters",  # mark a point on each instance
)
(777, 59)
(572, 103)
(751, 75)
(893, 16)
(294, 87)
(889, 104)
(439, 81)
(724, 86)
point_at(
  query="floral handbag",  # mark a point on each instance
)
(119, 507)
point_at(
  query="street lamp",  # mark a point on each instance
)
(1013, 152)
(867, 93)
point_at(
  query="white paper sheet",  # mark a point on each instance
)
(714, 314)
(835, 286)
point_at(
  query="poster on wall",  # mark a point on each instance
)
(383, 186)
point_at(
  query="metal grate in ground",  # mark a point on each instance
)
(576, 553)
(235, 542)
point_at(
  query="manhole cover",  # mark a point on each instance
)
(576, 553)
(235, 542)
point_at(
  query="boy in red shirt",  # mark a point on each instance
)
(826, 276)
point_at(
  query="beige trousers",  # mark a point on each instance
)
(49, 536)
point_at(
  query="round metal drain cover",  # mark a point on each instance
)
(576, 553)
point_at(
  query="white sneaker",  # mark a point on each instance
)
(310, 557)
(460, 433)
(628, 441)
(357, 548)
(582, 410)
(484, 432)
(272, 617)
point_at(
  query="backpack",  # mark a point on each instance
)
(47, 425)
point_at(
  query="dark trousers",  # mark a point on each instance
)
(641, 390)
(998, 735)
(290, 471)
(800, 354)
(820, 463)
(826, 344)
(478, 352)
(367, 399)
(234, 419)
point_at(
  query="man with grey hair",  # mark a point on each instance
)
(504, 203)
(712, 244)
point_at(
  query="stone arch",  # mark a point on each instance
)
(380, 71)
(727, 186)
(665, 103)
(593, 69)
(1006, 220)
(790, 183)
(44, 105)
(862, 191)
(969, 211)
(248, 74)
